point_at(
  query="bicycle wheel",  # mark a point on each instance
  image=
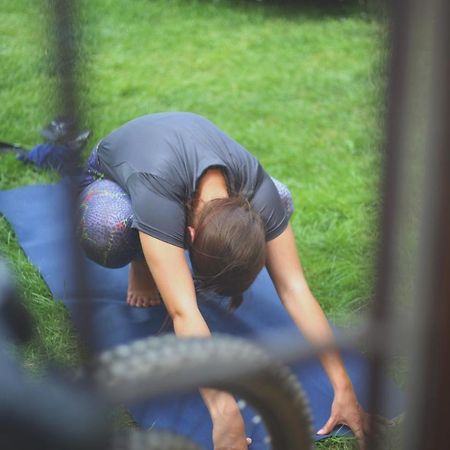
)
(227, 363)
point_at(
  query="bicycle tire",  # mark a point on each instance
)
(224, 362)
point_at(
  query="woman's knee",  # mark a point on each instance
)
(104, 227)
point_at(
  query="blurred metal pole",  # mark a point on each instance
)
(414, 263)
(65, 58)
(66, 51)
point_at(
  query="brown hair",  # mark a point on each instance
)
(229, 247)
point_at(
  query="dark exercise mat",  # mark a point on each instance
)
(40, 218)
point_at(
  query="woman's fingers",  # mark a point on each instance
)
(360, 436)
(358, 428)
(382, 420)
(361, 426)
(328, 427)
(377, 426)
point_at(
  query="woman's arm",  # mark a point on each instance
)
(169, 268)
(285, 269)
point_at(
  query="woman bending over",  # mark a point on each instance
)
(166, 182)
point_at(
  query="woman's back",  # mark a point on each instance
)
(177, 147)
(158, 160)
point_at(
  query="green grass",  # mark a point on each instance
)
(299, 89)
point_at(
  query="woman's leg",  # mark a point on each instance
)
(106, 235)
(285, 195)
(142, 290)
(104, 227)
(107, 238)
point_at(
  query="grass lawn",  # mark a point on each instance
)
(299, 89)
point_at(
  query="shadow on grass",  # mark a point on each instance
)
(308, 9)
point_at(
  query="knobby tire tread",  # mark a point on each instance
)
(271, 388)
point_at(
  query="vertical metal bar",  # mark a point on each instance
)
(65, 58)
(415, 222)
(430, 369)
(381, 308)
(395, 198)
(66, 50)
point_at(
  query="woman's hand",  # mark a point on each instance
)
(287, 275)
(229, 433)
(228, 425)
(346, 410)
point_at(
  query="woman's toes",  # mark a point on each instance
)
(135, 301)
(143, 301)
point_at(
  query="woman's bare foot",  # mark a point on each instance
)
(142, 291)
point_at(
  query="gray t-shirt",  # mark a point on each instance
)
(158, 160)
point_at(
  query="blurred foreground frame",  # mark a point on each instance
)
(416, 208)
(415, 221)
(414, 260)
